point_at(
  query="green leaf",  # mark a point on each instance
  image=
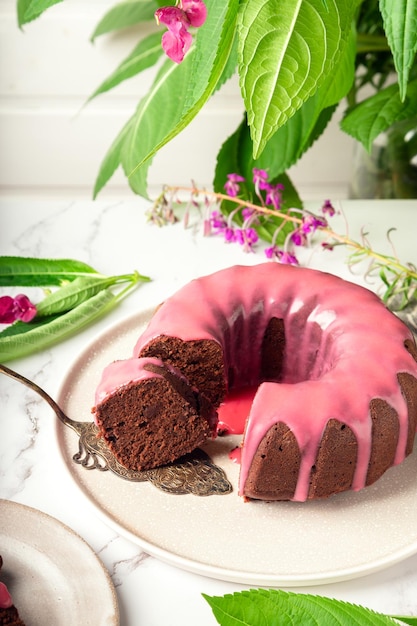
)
(412, 621)
(112, 159)
(273, 607)
(235, 155)
(143, 56)
(23, 339)
(376, 114)
(215, 44)
(400, 25)
(179, 92)
(28, 10)
(72, 294)
(16, 271)
(307, 40)
(125, 14)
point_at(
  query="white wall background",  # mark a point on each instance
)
(51, 145)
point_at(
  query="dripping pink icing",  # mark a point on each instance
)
(5, 598)
(343, 348)
(235, 409)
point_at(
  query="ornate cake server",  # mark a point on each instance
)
(194, 473)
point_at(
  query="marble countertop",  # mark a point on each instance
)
(115, 237)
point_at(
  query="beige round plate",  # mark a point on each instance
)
(277, 544)
(52, 574)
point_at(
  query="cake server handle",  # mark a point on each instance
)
(91, 452)
(197, 475)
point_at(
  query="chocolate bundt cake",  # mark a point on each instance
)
(9, 615)
(335, 371)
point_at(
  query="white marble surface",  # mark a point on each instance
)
(114, 237)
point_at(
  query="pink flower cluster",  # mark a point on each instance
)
(246, 237)
(273, 193)
(178, 19)
(299, 237)
(18, 308)
(268, 194)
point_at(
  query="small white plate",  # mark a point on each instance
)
(52, 574)
(276, 544)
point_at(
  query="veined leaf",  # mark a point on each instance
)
(215, 43)
(72, 294)
(292, 140)
(287, 49)
(125, 14)
(376, 114)
(16, 271)
(179, 92)
(279, 608)
(400, 25)
(112, 159)
(28, 10)
(144, 55)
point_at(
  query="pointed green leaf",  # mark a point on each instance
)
(28, 10)
(125, 14)
(287, 49)
(279, 608)
(72, 294)
(400, 25)
(144, 55)
(179, 92)
(377, 113)
(16, 271)
(112, 159)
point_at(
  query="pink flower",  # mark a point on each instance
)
(195, 10)
(232, 184)
(298, 237)
(260, 178)
(176, 43)
(18, 308)
(177, 40)
(284, 257)
(311, 223)
(273, 195)
(328, 208)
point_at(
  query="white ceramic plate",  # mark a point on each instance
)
(277, 544)
(52, 574)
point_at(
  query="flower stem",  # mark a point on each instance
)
(403, 276)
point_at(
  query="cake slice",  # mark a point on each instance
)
(148, 413)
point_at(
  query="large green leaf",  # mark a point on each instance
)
(28, 10)
(273, 607)
(112, 159)
(144, 55)
(16, 271)
(287, 49)
(179, 92)
(290, 141)
(125, 14)
(400, 25)
(376, 114)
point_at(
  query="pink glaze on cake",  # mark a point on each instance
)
(126, 371)
(343, 348)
